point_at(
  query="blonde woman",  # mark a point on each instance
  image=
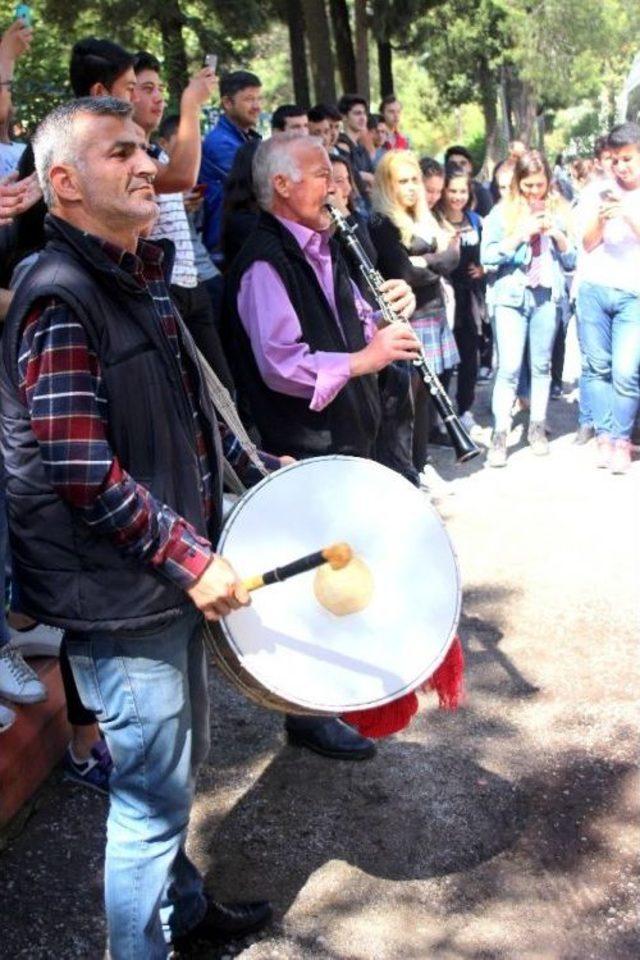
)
(526, 246)
(411, 245)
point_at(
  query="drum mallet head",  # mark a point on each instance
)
(337, 556)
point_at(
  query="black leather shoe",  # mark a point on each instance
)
(329, 737)
(223, 922)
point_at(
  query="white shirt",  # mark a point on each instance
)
(616, 261)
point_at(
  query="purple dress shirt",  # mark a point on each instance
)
(285, 361)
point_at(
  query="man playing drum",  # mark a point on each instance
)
(306, 349)
(114, 486)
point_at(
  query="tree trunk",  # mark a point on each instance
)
(295, 24)
(523, 108)
(488, 97)
(321, 54)
(362, 50)
(171, 20)
(385, 67)
(345, 53)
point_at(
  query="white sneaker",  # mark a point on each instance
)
(7, 718)
(18, 682)
(433, 483)
(40, 640)
(468, 421)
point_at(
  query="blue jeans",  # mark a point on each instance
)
(149, 692)
(610, 340)
(535, 320)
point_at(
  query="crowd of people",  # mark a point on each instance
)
(134, 252)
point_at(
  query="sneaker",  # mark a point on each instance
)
(497, 455)
(605, 451)
(468, 421)
(39, 640)
(433, 483)
(556, 391)
(93, 772)
(7, 718)
(584, 434)
(621, 459)
(537, 438)
(484, 374)
(18, 682)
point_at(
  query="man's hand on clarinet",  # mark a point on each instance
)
(400, 297)
(218, 591)
(395, 342)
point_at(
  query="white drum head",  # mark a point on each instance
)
(296, 648)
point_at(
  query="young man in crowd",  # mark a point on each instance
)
(353, 110)
(379, 136)
(241, 101)
(609, 299)
(391, 111)
(101, 68)
(320, 125)
(290, 118)
(191, 297)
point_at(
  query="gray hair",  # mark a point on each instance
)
(54, 140)
(274, 156)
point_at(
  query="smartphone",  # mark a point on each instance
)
(24, 12)
(211, 61)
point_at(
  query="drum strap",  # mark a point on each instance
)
(223, 402)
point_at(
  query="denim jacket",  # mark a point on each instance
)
(507, 269)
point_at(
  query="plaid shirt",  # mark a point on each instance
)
(62, 386)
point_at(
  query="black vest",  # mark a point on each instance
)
(350, 423)
(68, 575)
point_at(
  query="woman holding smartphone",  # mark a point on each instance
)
(526, 245)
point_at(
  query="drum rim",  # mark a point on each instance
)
(412, 685)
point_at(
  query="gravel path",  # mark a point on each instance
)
(507, 830)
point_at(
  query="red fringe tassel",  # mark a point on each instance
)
(447, 681)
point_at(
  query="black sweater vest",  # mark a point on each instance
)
(69, 576)
(350, 423)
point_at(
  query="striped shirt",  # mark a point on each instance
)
(62, 386)
(173, 224)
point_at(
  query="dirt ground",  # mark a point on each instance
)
(506, 830)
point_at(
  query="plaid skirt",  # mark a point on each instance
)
(432, 330)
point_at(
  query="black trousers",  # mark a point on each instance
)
(424, 415)
(77, 715)
(465, 331)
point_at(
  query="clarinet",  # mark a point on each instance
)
(465, 448)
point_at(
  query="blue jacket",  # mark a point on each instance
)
(507, 270)
(218, 153)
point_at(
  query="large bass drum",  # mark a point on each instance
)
(288, 652)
